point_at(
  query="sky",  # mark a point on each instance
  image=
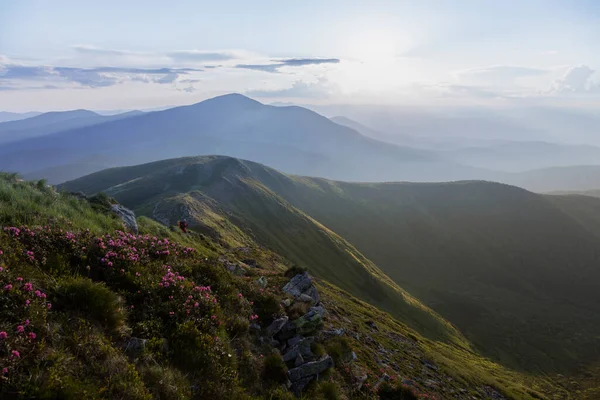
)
(57, 55)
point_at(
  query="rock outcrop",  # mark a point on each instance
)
(127, 216)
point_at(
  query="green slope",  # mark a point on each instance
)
(221, 195)
(516, 272)
(80, 349)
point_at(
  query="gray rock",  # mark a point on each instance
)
(360, 380)
(255, 326)
(127, 216)
(135, 344)
(303, 348)
(294, 341)
(286, 303)
(310, 369)
(313, 293)
(298, 284)
(310, 322)
(276, 326)
(262, 282)
(334, 332)
(298, 386)
(372, 325)
(304, 298)
(299, 360)
(430, 365)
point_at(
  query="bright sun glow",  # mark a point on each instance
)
(376, 64)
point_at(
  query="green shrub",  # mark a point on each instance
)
(339, 349)
(329, 390)
(274, 369)
(93, 300)
(318, 349)
(293, 271)
(389, 392)
(166, 383)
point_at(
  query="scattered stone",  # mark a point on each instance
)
(353, 357)
(262, 282)
(491, 393)
(298, 284)
(310, 369)
(304, 298)
(334, 332)
(250, 262)
(298, 386)
(127, 216)
(255, 326)
(294, 341)
(384, 378)
(431, 383)
(430, 365)
(360, 380)
(409, 382)
(372, 325)
(303, 348)
(135, 344)
(286, 302)
(310, 322)
(313, 293)
(276, 326)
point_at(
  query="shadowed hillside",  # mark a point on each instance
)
(516, 272)
(92, 310)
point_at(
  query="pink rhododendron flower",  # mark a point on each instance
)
(8, 287)
(15, 354)
(20, 329)
(28, 287)
(3, 335)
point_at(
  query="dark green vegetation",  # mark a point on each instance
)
(88, 311)
(516, 272)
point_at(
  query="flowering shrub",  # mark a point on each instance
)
(24, 309)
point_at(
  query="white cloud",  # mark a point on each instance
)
(579, 79)
(322, 88)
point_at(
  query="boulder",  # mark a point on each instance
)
(313, 293)
(334, 332)
(299, 360)
(304, 298)
(250, 262)
(127, 216)
(360, 380)
(310, 369)
(135, 344)
(276, 326)
(294, 341)
(310, 322)
(286, 303)
(302, 348)
(298, 386)
(262, 282)
(298, 284)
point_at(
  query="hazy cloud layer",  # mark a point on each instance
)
(10, 74)
(290, 62)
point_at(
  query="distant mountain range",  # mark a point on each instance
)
(61, 146)
(6, 116)
(292, 139)
(515, 271)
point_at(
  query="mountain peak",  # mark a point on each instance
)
(232, 99)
